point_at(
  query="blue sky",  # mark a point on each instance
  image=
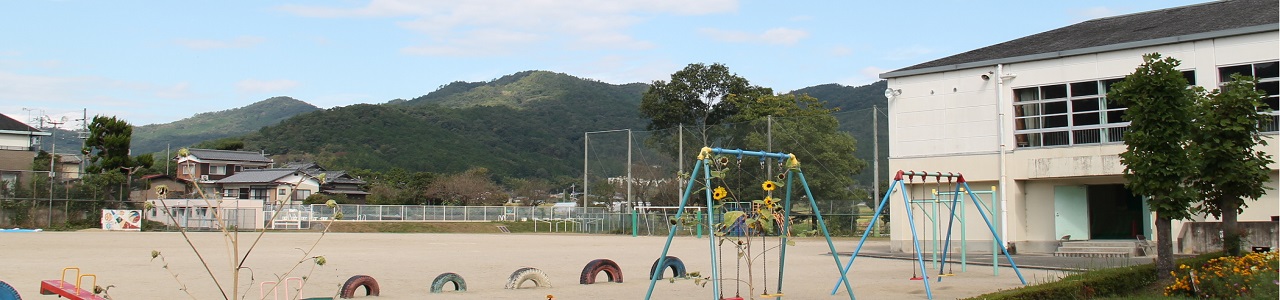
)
(160, 61)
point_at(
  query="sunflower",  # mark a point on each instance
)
(782, 176)
(719, 193)
(770, 203)
(724, 161)
(768, 185)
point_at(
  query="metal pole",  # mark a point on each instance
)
(680, 158)
(629, 179)
(1004, 177)
(875, 161)
(585, 149)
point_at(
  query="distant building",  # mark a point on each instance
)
(205, 166)
(17, 151)
(287, 186)
(335, 182)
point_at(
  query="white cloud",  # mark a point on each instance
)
(840, 51)
(908, 53)
(177, 91)
(210, 44)
(865, 76)
(775, 36)
(450, 27)
(1095, 12)
(253, 86)
(622, 69)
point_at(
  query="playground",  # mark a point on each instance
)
(405, 264)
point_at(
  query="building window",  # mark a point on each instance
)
(283, 192)
(217, 170)
(1074, 113)
(303, 194)
(258, 193)
(230, 193)
(1268, 75)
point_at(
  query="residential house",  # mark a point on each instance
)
(1030, 119)
(17, 150)
(335, 182)
(68, 167)
(204, 166)
(173, 188)
(290, 186)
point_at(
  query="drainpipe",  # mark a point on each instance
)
(1004, 186)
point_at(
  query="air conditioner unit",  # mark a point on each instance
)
(204, 177)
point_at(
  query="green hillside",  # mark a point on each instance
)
(524, 125)
(215, 125)
(855, 104)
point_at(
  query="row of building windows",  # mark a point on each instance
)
(1080, 113)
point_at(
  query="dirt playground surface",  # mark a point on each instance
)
(405, 264)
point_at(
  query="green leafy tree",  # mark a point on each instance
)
(108, 145)
(699, 95)
(1157, 163)
(803, 126)
(1231, 169)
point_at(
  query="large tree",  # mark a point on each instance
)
(699, 96)
(108, 145)
(1231, 169)
(1157, 163)
(802, 125)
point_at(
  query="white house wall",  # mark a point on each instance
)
(10, 140)
(945, 122)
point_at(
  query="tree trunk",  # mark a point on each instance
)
(1164, 248)
(1230, 227)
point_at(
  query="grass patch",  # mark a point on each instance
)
(427, 227)
(1132, 282)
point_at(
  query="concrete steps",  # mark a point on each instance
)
(1121, 248)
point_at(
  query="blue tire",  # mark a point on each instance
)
(673, 263)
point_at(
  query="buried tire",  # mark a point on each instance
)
(518, 277)
(7, 292)
(349, 288)
(437, 285)
(674, 263)
(593, 268)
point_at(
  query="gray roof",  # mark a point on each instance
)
(229, 155)
(7, 123)
(257, 176)
(1165, 26)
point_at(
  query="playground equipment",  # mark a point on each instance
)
(520, 276)
(437, 285)
(961, 186)
(348, 290)
(65, 289)
(765, 217)
(7, 292)
(275, 288)
(593, 269)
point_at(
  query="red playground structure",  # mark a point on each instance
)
(65, 289)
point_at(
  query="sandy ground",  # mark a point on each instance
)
(405, 264)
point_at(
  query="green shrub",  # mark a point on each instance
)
(1096, 283)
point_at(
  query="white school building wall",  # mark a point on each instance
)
(947, 121)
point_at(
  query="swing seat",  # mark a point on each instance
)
(917, 278)
(777, 295)
(947, 274)
(732, 298)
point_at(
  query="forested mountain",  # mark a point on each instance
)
(855, 104)
(524, 125)
(215, 125)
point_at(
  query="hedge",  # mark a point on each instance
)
(1095, 283)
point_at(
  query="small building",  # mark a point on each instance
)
(17, 151)
(288, 186)
(335, 182)
(207, 214)
(204, 166)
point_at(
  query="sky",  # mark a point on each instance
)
(150, 62)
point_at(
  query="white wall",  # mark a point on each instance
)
(946, 122)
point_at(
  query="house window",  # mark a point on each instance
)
(283, 192)
(217, 170)
(1268, 75)
(1070, 114)
(303, 194)
(230, 193)
(258, 193)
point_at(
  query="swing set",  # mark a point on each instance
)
(960, 187)
(739, 223)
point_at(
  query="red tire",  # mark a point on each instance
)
(593, 269)
(349, 288)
